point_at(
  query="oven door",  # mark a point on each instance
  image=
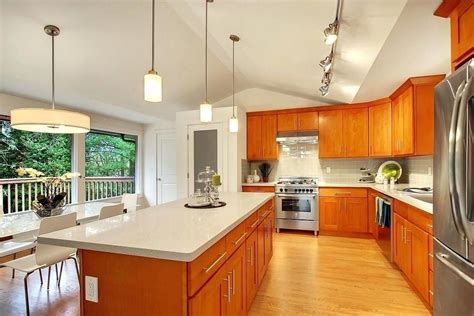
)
(296, 206)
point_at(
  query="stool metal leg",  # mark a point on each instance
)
(49, 276)
(41, 276)
(13, 272)
(25, 280)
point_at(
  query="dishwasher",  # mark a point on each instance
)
(381, 228)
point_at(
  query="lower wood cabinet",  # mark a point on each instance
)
(261, 262)
(343, 210)
(251, 267)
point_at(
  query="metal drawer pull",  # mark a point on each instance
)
(265, 214)
(255, 223)
(431, 255)
(429, 225)
(431, 292)
(342, 193)
(444, 259)
(233, 282)
(227, 279)
(235, 242)
(219, 258)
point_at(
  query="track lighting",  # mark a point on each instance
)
(324, 90)
(330, 33)
(326, 63)
(326, 80)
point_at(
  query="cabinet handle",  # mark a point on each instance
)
(431, 292)
(233, 281)
(249, 260)
(227, 279)
(406, 234)
(403, 234)
(213, 264)
(431, 255)
(265, 214)
(235, 242)
(254, 223)
(429, 225)
(342, 193)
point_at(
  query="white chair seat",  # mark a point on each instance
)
(25, 264)
(13, 246)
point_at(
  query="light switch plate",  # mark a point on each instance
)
(92, 289)
(328, 169)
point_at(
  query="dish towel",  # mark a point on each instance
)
(382, 212)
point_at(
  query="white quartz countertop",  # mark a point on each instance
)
(391, 191)
(167, 231)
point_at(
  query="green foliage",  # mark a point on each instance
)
(109, 155)
(49, 153)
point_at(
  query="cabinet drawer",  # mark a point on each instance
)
(204, 266)
(251, 223)
(235, 238)
(266, 209)
(250, 188)
(343, 192)
(430, 253)
(401, 208)
(421, 219)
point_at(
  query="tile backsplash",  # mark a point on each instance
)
(416, 170)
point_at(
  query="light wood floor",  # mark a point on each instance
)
(307, 276)
(332, 276)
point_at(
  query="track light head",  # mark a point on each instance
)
(324, 90)
(326, 63)
(330, 33)
(326, 79)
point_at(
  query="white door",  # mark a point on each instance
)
(206, 147)
(166, 168)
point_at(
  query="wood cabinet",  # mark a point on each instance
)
(303, 121)
(401, 251)
(380, 133)
(261, 264)
(235, 269)
(259, 188)
(417, 240)
(413, 116)
(461, 13)
(344, 133)
(261, 137)
(251, 267)
(343, 210)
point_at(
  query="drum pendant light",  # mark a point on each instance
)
(205, 108)
(50, 120)
(152, 81)
(233, 121)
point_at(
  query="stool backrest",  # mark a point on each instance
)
(112, 210)
(130, 201)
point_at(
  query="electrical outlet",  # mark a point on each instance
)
(328, 169)
(92, 289)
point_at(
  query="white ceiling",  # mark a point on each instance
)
(104, 51)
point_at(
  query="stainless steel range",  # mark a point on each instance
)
(297, 203)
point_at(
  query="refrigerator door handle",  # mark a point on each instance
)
(443, 258)
(461, 158)
(451, 163)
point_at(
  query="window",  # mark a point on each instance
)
(110, 164)
(48, 153)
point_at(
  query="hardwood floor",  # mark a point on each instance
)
(332, 276)
(307, 276)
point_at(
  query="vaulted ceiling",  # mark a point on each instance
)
(104, 51)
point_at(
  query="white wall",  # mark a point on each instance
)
(235, 148)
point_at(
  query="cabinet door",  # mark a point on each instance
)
(308, 121)
(329, 208)
(287, 122)
(268, 240)
(408, 135)
(371, 214)
(261, 264)
(353, 217)
(269, 133)
(254, 137)
(212, 298)
(235, 268)
(418, 243)
(330, 134)
(355, 129)
(251, 267)
(462, 37)
(397, 125)
(399, 241)
(380, 130)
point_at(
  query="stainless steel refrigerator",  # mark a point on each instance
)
(453, 207)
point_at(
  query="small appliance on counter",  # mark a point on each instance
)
(297, 203)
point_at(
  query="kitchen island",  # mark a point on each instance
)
(172, 260)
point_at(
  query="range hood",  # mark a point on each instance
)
(297, 137)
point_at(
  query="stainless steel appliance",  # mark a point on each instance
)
(453, 207)
(297, 203)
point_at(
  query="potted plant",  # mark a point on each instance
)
(265, 170)
(52, 201)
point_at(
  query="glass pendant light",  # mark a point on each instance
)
(50, 120)
(152, 81)
(233, 121)
(206, 108)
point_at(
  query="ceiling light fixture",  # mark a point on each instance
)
(206, 108)
(324, 90)
(152, 81)
(330, 33)
(233, 121)
(326, 80)
(326, 63)
(50, 120)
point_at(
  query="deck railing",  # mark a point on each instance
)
(17, 195)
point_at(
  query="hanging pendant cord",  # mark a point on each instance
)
(205, 61)
(153, 35)
(52, 70)
(233, 78)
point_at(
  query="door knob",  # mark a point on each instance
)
(159, 179)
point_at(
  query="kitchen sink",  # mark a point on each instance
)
(428, 198)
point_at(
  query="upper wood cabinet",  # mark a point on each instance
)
(461, 13)
(343, 133)
(380, 133)
(413, 116)
(304, 121)
(261, 137)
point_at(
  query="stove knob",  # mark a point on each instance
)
(286, 190)
(311, 190)
(281, 190)
(307, 190)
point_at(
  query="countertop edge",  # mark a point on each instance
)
(150, 253)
